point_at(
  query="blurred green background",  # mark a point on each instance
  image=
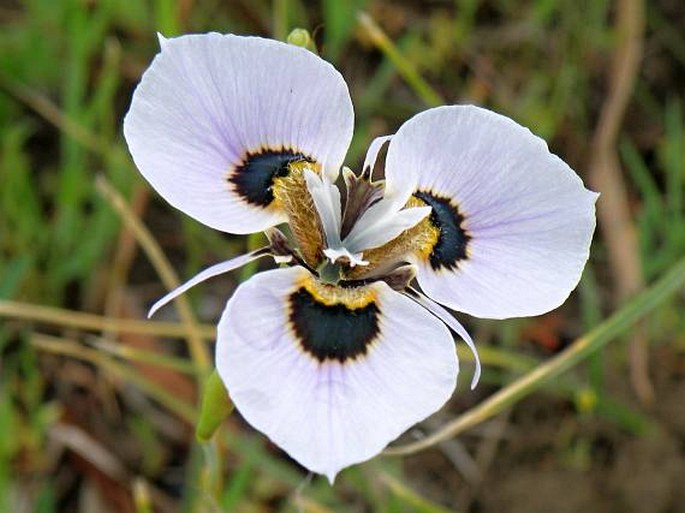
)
(97, 404)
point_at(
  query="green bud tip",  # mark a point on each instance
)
(300, 37)
(216, 406)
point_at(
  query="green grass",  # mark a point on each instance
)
(67, 70)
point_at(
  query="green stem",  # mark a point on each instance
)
(280, 19)
(404, 67)
(618, 323)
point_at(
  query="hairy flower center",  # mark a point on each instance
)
(316, 218)
(291, 194)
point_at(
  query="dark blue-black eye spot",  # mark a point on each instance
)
(453, 240)
(253, 179)
(332, 332)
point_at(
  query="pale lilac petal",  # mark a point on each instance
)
(454, 325)
(326, 198)
(372, 154)
(208, 101)
(329, 414)
(210, 272)
(381, 223)
(528, 218)
(335, 254)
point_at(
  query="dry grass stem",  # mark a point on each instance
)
(86, 321)
(581, 348)
(606, 177)
(196, 344)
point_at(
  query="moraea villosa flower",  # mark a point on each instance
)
(337, 352)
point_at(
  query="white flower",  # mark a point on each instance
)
(337, 354)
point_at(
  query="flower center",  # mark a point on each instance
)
(380, 233)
